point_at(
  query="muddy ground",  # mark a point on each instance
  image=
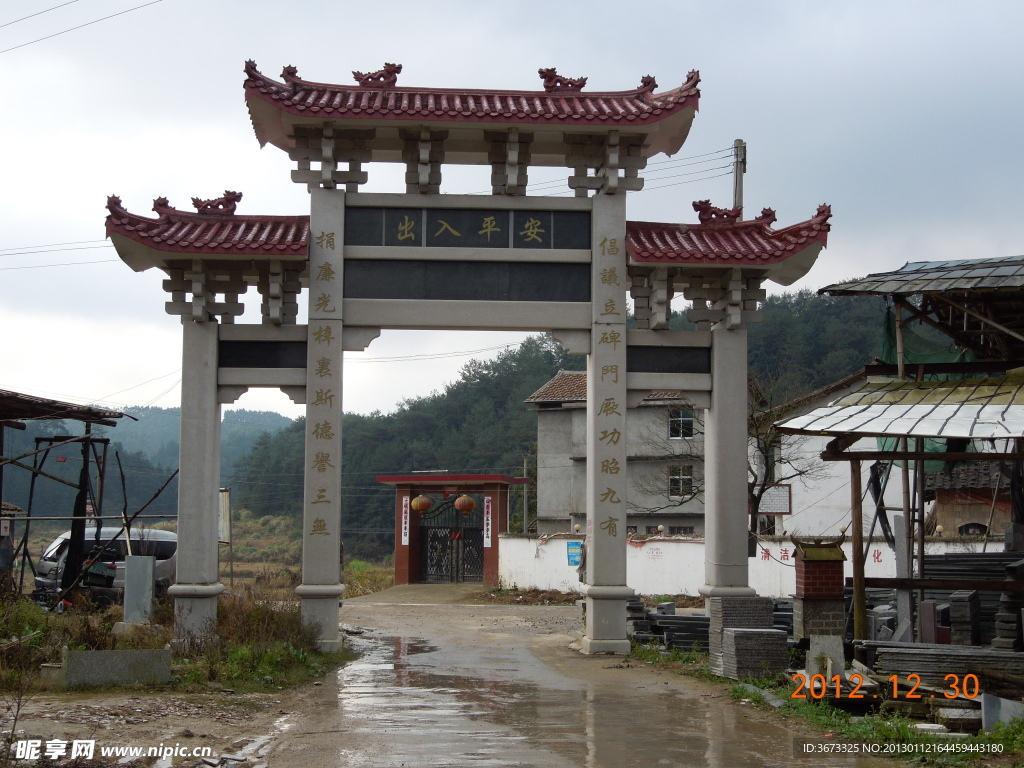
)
(446, 683)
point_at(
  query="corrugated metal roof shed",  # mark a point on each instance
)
(971, 408)
(939, 276)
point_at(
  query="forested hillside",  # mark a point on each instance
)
(147, 446)
(479, 423)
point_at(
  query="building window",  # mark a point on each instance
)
(630, 530)
(680, 423)
(680, 481)
(680, 530)
(652, 530)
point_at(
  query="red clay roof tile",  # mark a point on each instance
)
(716, 243)
(571, 387)
(193, 232)
(382, 101)
(724, 241)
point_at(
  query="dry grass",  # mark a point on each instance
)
(681, 601)
(524, 597)
(277, 581)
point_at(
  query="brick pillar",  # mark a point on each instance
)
(818, 604)
(819, 579)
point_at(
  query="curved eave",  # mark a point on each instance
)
(275, 126)
(141, 253)
(782, 256)
(275, 108)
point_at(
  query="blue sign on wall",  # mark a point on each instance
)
(573, 550)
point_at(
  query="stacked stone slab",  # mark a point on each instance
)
(1008, 619)
(753, 652)
(735, 613)
(964, 618)
(881, 622)
(636, 616)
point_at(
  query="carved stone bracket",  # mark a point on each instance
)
(510, 161)
(640, 292)
(329, 147)
(652, 291)
(729, 299)
(423, 155)
(614, 159)
(204, 285)
(279, 288)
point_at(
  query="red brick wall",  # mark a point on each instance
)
(818, 579)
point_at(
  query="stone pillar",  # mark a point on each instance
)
(725, 467)
(606, 589)
(321, 585)
(195, 592)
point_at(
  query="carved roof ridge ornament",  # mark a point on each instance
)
(647, 86)
(554, 82)
(382, 78)
(710, 214)
(222, 206)
(289, 77)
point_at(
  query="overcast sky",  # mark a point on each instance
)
(906, 117)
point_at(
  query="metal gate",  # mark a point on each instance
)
(451, 546)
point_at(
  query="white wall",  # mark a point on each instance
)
(672, 566)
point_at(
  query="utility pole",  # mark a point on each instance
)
(526, 497)
(739, 167)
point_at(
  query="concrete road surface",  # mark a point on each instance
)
(444, 683)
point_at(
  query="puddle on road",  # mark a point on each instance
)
(397, 707)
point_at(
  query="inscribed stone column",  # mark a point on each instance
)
(197, 586)
(606, 589)
(725, 467)
(321, 585)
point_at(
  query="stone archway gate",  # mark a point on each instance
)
(423, 260)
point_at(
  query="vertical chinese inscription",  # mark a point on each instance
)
(322, 506)
(606, 400)
(487, 521)
(405, 521)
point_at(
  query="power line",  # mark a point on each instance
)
(426, 355)
(691, 181)
(64, 264)
(80, 26)
(38, 13)
(50, 245)
(18, 252)
(677, 162)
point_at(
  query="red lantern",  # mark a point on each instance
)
(465, 504)
(422, 504)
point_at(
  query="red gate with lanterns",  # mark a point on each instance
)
(452, 541)
(447, 526)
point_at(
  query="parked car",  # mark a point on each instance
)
(163, 545)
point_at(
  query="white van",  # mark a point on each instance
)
(163, 545)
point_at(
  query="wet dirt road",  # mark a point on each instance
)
(448, 684)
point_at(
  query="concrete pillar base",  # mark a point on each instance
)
(621, 647)
(320, 606)
(195, 611)
(606, 620)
